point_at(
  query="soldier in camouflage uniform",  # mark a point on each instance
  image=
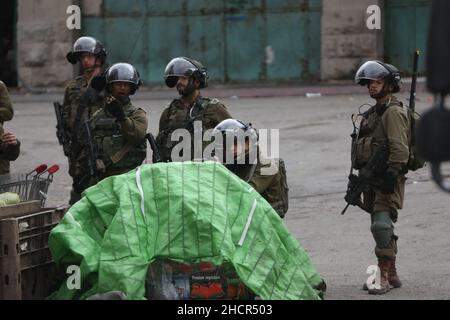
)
(189, 76)
(81, 101)
(246, 161)
(236, 145)
(387, 122)
(6, 114)
(118, 128)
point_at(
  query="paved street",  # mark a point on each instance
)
(315, 143)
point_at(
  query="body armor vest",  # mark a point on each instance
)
(111, 144)
(371, 135)
(180, 117)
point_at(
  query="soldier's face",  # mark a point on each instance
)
(185, 86)
(375, 88)
(121, 89)
(87, 60)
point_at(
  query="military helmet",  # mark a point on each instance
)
(183, 66)
(86, 44)
(123, 72)
(377, 70)
(240, 133)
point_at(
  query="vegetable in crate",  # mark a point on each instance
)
(8, 198)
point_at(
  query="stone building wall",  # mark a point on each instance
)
(43, 41)
(346, 39)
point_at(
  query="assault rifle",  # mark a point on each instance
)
(61, 134)
(358, 183)
(415, 160)
(412, 94)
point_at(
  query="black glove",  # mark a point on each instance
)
(89, 96)
(389, 182)
(98, 83)
(115, 107)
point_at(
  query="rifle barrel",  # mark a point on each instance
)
(345, 209)
(412, 95)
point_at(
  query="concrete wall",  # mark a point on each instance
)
(91, 7)
(43, 41)
(346, 40)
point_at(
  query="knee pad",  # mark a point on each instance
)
(382, 229)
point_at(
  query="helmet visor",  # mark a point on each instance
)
(179, 67)
(122, 72)
(371, 70)
(85, 44)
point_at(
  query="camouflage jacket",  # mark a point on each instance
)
(265, 177)
(266, 180)
(388, 123)
(6, 110)
(75, 113)
(6, 114)
(120, 145)
(177, 116)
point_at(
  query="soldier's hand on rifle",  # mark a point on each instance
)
(115, 107)
(389, 181)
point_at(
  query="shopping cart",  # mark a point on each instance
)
(30, 186)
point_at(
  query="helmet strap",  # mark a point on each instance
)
(384, 94)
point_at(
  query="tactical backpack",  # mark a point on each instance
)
(415, 160)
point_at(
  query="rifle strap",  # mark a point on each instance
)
(121, 153)
(76, 124)
(198, 109)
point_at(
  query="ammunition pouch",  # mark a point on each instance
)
(362, 151)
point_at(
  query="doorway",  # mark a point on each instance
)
(8, 64)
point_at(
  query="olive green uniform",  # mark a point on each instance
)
(267, 181)
(6, 114)
(177, 116)
(121, 145)
(388, 123)
(265, 177)
(75, 114)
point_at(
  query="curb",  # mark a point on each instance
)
(233, 92)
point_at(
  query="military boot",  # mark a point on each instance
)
(383, 287)
(393, 278)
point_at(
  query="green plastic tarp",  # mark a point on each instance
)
(186, 212)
